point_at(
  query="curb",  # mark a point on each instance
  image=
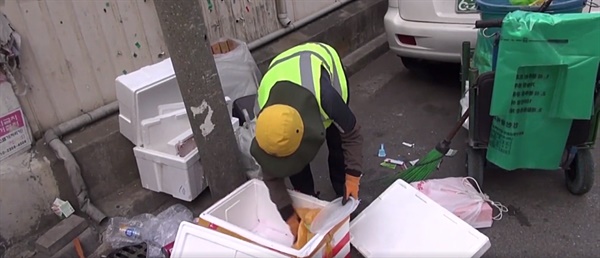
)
(347, 29)
(361, 57)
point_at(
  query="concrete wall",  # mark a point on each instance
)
(106, 157)
(73, 50)
(27, 189)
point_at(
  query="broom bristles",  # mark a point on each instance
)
(422, 169)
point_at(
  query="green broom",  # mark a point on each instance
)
(425, 166)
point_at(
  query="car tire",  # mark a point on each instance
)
(413, 64)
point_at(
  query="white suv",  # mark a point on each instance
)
(432, 30)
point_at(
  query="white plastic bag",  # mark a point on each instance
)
(244, 136)
(238, 71)
(157, 231)
(459, 196)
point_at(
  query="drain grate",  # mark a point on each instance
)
(131, 251)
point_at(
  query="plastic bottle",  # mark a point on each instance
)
(381, 152)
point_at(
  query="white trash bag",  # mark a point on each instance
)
(458, 196)
(238, 71)
(244, 137)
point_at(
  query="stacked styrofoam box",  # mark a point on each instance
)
(153, 117)
(168, 160)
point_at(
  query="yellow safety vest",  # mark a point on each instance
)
(301, 65)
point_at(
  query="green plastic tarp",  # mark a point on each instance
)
(545, 77)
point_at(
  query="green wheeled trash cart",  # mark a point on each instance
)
(533, 95)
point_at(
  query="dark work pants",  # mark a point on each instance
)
(304, 181)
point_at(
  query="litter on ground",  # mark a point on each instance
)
(410, 145)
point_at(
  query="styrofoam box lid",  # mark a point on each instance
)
(332, 214)
(403, 222)
(193, 241)
(167, 159)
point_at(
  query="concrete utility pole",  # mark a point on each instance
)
(185, 34)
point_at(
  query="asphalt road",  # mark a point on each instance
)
(393, 105)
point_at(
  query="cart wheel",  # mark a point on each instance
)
(475, 164)
(580, 175)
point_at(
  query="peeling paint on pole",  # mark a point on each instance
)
(210, 5)
(207, 126)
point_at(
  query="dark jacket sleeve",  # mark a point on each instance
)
(279, 194)
(344, 119)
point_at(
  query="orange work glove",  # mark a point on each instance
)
(294, 223)
(351, 188)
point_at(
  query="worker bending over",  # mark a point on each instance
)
(303, 101)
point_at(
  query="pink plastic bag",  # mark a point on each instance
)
(458, 196)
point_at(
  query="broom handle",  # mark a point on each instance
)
(457, 126)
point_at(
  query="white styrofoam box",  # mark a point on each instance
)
(403, 222)
(182, 178)
(193, 241)
(140, 92)
(159, 130)
(168, 108)
(249, 212)
(183, 143)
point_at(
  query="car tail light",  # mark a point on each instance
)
(407, 40)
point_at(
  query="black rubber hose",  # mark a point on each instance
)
(481, 24)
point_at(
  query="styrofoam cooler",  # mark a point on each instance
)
(168, 159)
(249, 212)
(140, 92)
(194, 241)
(181, 177)
(161, 168)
